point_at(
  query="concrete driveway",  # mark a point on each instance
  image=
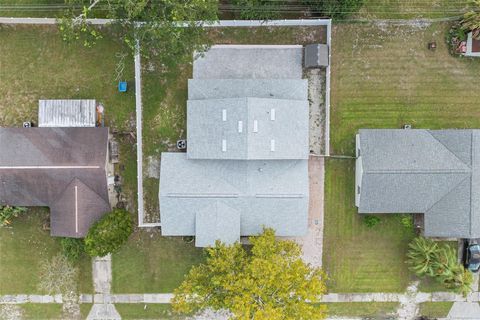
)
(312, 242)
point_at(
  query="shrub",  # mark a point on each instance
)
(259, 9)
(407, 221)
(109, 233)
(337, 9)
(371, 221)
(7, 213)
(72, 248)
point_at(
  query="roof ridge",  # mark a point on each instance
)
(453, 153)
(81, 181)
(418, 171)
(449, 192)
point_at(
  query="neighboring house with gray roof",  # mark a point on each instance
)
(434, 172)
(59, 168)
(247, 136)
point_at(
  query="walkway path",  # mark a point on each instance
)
(103, 307)
(166, 297)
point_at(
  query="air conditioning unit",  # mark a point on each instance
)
(181, 144)
(407, 126)
(27, 124)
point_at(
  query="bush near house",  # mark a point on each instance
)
(109, 233)
(7, 213)
(371, 221)
(72, 248)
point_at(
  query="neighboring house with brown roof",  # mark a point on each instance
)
(60, 168)
(473, 46)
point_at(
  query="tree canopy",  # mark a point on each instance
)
(153, 23)
(108, 234)
(267, 281)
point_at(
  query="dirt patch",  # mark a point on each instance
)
(316, 98)
(153, 167)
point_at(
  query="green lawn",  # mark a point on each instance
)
(384, 77)
(411, 9)
(151, 263)
(362, 309)
(35, 311)
(24, 246)
(146, 311)
(358, 258)
(435, 309)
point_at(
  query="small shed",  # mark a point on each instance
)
(67, 113)
(316, 55)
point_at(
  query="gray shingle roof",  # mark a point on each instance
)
(273, 193)
(436, 172)
(44, 166)
(216, 221)
(242, 128)
(291, 89)
(250, 62)
(247, 132)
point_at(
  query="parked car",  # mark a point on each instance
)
(472, 255)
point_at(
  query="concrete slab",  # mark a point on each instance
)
(464, 310)
(250, 62)
(102, 274)
(103, 312)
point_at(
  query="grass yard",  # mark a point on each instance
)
(35, 311)
(151, 263)
(384, 77)
(24, 246)
(358, 258)
(411, 9)
(435, 309)
(146, 311)
(377, 310)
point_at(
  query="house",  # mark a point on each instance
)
(473, 46)
(60, 168)
(246, 164)
(431, 172)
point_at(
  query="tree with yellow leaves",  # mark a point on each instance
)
(267, 281)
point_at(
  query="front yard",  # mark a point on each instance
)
(383, 77)
(24, 246)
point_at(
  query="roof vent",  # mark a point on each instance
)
(224, 115)
(272, 145)
(224, 145)
(240, 126)
(272, 114)
(255, 126)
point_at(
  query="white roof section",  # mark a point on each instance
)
(249, 127)
(67, 113)
(250, 62)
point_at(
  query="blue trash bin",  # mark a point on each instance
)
(122, 86)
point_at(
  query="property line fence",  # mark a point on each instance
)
(138, 79)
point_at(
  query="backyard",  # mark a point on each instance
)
(383, 76)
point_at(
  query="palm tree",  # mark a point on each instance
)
(471, 19)
(450, 273)
(422, 255)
